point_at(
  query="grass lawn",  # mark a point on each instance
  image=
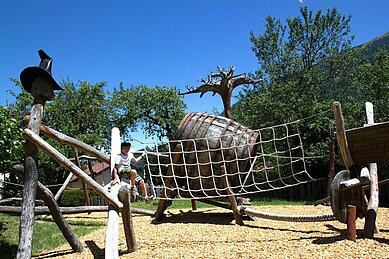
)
(47, 235)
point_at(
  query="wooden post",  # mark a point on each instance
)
(341, 135)
(42, 90)
(26, 228)
(124, 197)
(112, 234)
(231, 197)
(84, 187)
(351, 226)
(194, 205)
(371, 214)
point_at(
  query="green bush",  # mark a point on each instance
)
(72, 198)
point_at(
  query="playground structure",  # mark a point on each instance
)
(39, 82)
(211, 158)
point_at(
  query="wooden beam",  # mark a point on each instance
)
(65, 162)
(341, 135)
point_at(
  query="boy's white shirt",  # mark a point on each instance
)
(122, 160)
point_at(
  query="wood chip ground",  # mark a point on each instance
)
(212, 233)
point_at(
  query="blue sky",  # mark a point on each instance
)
(170, 42)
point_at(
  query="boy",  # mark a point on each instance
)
(123, 166)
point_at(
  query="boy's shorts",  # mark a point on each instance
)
(125, 173)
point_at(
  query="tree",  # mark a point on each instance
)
(11, 149)
(222, 83)
(158, 111)
(302, 65)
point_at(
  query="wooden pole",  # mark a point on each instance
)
(42, 90)
(112, 233)
(63, 187)
(46, 195)
(351, 226)
(341, 135)
(124, 197)
(372, 208)
(26, 228)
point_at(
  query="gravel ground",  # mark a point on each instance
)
(212, 233)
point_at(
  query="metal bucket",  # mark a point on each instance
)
(208, 142)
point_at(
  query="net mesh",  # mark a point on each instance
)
(226, 156)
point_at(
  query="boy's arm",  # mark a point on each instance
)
(136, 160)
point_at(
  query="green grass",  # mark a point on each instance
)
(186, 204)
(47, 235)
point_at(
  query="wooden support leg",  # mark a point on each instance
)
(194, 205)
(231, 197)
(166, 193)
(351, 227)
(124, 197)
(162, 205)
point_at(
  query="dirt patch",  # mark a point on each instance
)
(212, 233)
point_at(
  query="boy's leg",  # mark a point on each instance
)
(133, 175)
(142, 186)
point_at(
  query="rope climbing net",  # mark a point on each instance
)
(227, 158)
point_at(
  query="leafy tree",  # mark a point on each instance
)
(157, 111)
(303, 66)
(11, 149)
(81, 111)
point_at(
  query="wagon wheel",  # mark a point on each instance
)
(340, 198)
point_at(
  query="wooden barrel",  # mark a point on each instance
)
(207, 143)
